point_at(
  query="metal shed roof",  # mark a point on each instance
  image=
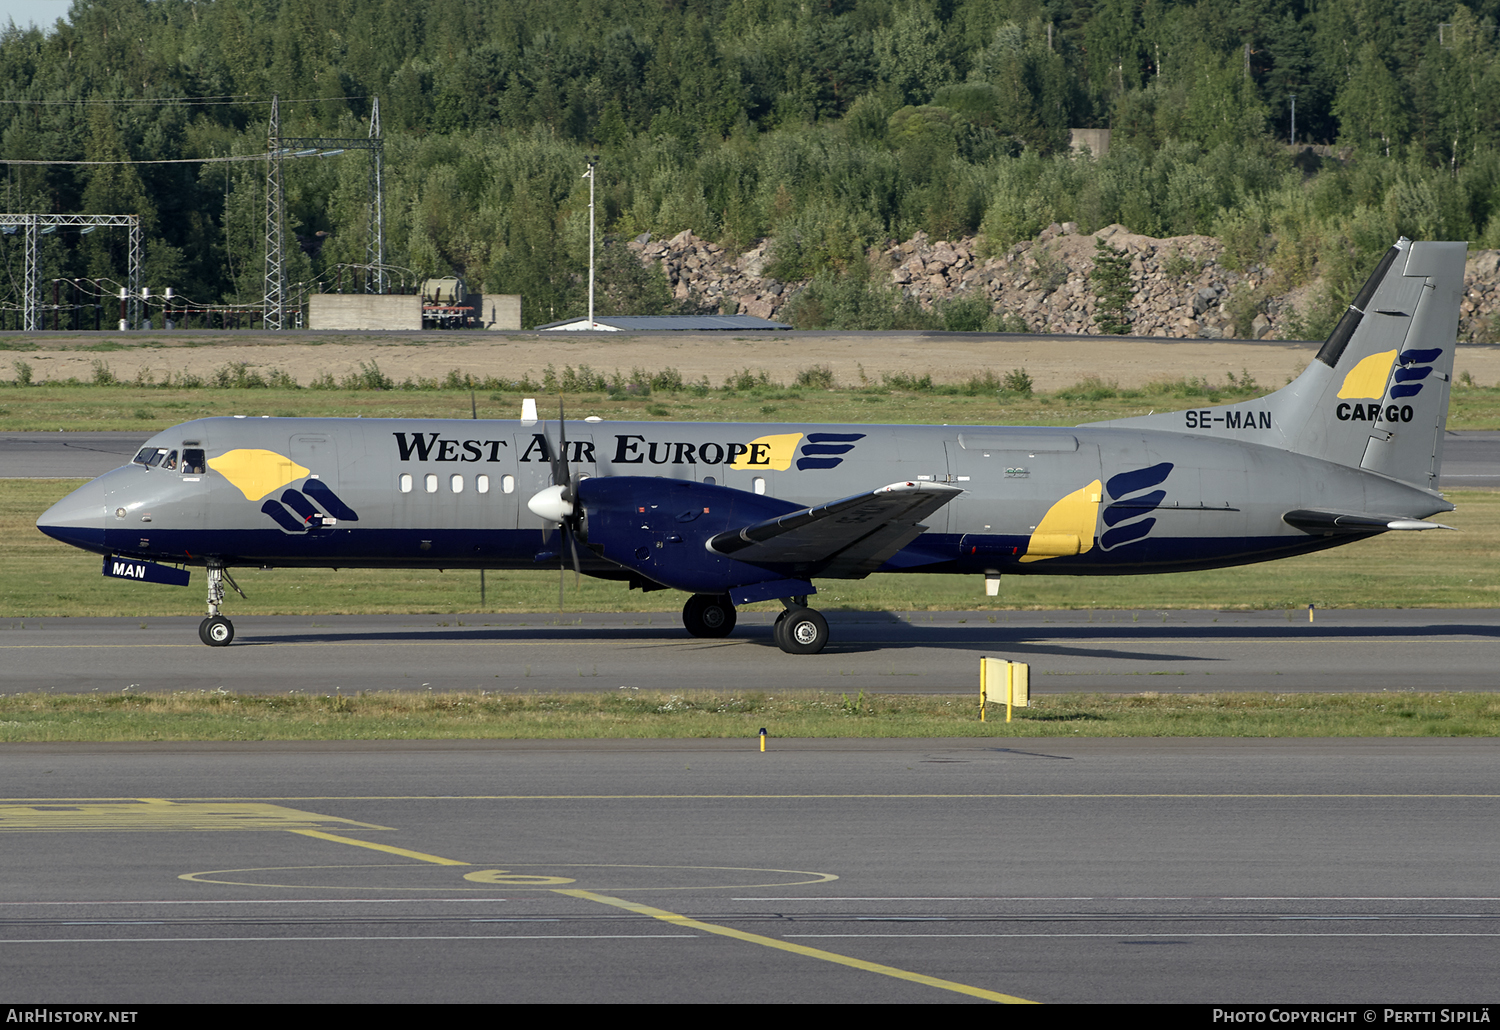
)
(669, 323)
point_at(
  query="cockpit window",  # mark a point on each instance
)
(193, 461)
(152, 456)
(170, 463)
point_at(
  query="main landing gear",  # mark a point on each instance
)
(217, 631)
(798, 630)
(709, 615)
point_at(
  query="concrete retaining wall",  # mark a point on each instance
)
(363, 311)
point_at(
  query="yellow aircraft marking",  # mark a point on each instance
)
(255, 472)
(1368, 378)
(161, 815)
(1068, 526)
(781, 448)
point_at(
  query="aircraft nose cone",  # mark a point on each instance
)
(78, 518)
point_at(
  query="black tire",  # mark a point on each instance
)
(803, 632)
(216, 631)
(778, 626)
(709, 615)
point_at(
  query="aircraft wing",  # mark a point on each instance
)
(847, 538)
(1315, 520)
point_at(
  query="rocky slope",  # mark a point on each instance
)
(1181, 288)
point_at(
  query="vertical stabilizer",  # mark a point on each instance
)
(1376, 396)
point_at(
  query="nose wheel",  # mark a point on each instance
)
(216, 631)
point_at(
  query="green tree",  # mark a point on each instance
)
(1372, 107)
(1110, 278)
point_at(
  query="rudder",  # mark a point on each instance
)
(1376, 396)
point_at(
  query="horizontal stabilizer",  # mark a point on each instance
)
(1316, 521)
(849, 538)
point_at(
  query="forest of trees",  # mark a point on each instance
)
(827, 126)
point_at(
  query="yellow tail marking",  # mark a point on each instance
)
(1368, 378)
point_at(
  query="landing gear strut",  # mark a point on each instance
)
(217, 631)
(709, 615)
(799, 629)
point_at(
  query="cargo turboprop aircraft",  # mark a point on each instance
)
(734, 514)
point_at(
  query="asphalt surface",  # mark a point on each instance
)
(1470, 459)
(902, 652)
(1216, 872)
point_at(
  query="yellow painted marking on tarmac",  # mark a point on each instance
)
(796, 949)
(516, 879)
(389, 849)
(156, 814)
(736, 797)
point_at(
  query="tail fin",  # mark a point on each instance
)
(1376, 396)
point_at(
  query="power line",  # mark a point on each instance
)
(227, 98)
(163, 161)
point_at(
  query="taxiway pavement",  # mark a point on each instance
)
(1228, 871)
(901, 652)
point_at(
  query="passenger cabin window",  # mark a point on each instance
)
(405, 482)
(429, 482)
(456, 483)
(508, 484)
(482, 484)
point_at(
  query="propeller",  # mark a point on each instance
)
(557, 503)
(474, 410)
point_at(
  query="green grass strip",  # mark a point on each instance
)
(127, 716)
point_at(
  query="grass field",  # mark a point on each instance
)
(753, 397)
(209, 715)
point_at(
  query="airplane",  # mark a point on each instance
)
(734, 514)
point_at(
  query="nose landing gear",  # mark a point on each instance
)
(216, 630)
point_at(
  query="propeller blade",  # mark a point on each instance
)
(561, 474)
